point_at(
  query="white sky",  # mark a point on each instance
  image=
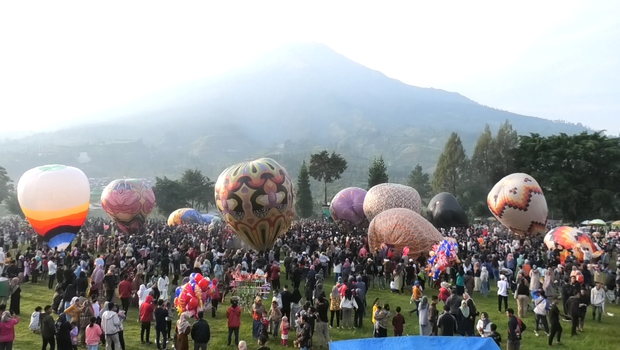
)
(63, 61)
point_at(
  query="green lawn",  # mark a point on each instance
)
(596, 336)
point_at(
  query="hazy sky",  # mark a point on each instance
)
(63, 61)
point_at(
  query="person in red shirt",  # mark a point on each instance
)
(124, 292)
(233, 314)
(275, 276)
(146, 317)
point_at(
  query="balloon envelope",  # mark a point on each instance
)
(518, 202)
(400, 228)
(55, 200)
(256, 199)
(348, 205)
(128, 202)
(185, 216)
(388, 196)
(568, 238)
(446, 212)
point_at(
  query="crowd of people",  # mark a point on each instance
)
(97, 279)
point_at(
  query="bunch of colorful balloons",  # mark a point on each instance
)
(443, 255)
(194, 295)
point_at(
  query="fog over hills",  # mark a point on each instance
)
(288, 104)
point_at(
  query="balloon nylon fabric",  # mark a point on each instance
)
(416, 342)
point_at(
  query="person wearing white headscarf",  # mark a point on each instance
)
(484, 281)
(142, 294)
(162, 285)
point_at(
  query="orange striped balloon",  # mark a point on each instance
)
(55, 200)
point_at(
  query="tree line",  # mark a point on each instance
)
(579, 174)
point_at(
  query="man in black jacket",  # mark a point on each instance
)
(48, 331)
(515, 329)
(447, 323)
(201, 333)
(287, 298)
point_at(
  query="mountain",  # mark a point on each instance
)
(287, 104)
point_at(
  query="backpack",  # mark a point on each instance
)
(521, 327)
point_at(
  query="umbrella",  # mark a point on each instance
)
(585, 223)
(597, 222)
(615, 224)
(491, 219)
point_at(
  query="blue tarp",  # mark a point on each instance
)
(416, 342)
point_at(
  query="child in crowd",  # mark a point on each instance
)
(75, 330)
(284, 328)
(495, 335)
(399, 323)
(93, 334)
(34, 320)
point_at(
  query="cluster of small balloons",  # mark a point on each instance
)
(195, 294)
(444, 254)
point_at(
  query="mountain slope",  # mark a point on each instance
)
(288, 104)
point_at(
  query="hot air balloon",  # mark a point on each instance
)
(128, 202)
(185, 216)
(571, 239)
(518, 202)
(446, 212)
(55, 200)
(348, 205)
(388, 196)
(400, 228)
(256, 199)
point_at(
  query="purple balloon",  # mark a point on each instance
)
(348, 205)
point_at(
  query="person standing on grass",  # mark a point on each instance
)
(7, 330)
(322, 328)
(111, 326)
(161, 314)
(47, 328)
(233, 314)
(201, 333)
(541, 307)
(597, 299)
(334, 307)
(93, 334)
(523, 296)
(554, 319)
(515, 328)
(146, 317)
(124, 292)
(398, 322)
(16, 296)
(502, 293)
(51, 273)
(183, 330)
(446, 322)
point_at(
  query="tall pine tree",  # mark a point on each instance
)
(377, 173)
(420, 180)
(304, 203)
(483, 161)
(506, 144)
(451, 168)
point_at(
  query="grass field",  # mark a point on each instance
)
(596, 336)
